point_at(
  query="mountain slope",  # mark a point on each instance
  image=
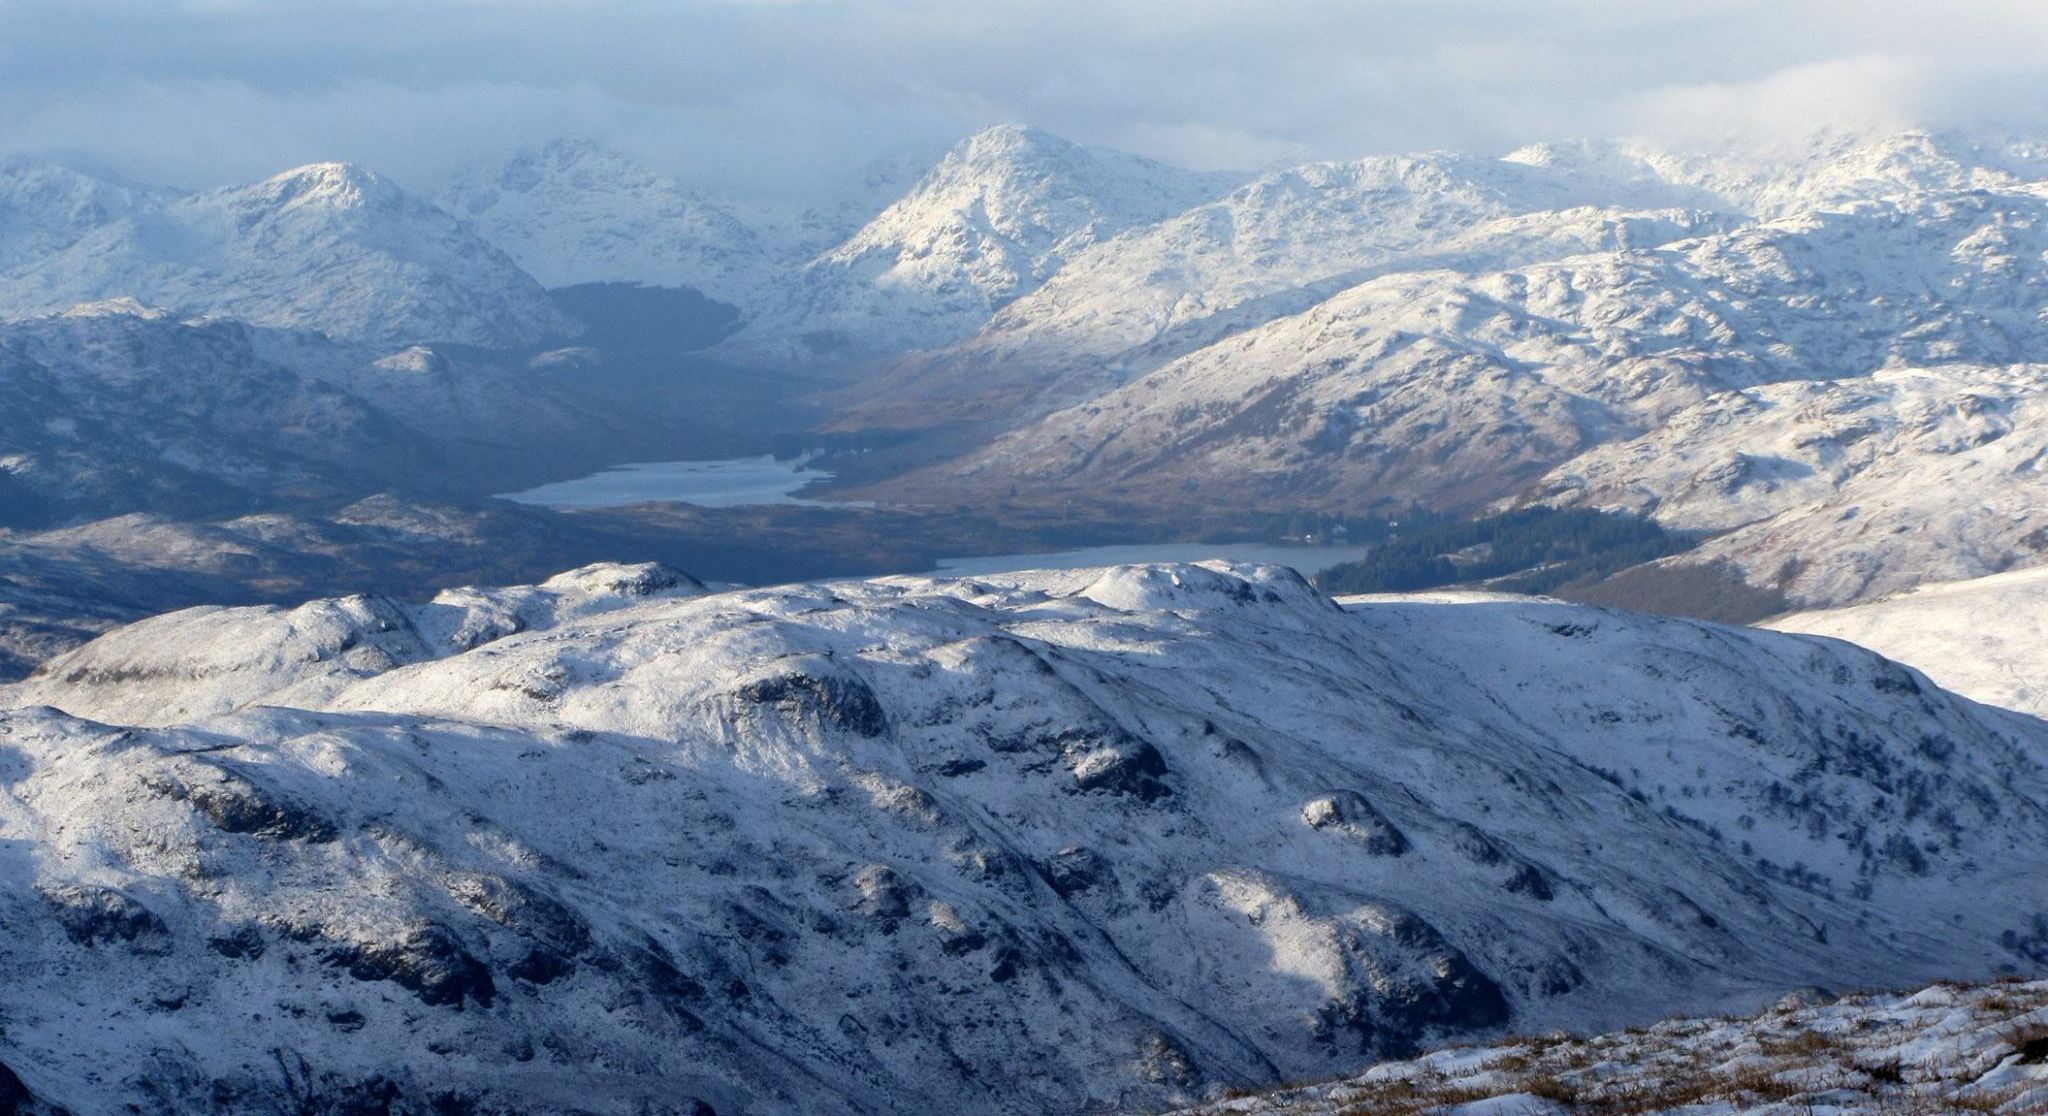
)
(1286, 240)
(1981, 638)
(1044, 842)
(46, 207)
(571, 212)
(328, 247)
(111, 408)
(995, 218)
(1455, 389)
(1842, 490)
(1117, 313)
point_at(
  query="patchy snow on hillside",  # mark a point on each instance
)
(1034, 842)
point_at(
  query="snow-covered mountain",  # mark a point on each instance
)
(46, 207)
(1040, 842)
(111, 408)
(993, 220)
(573, 212)
(328, 247)
(1277, 246)
(1834, 491)
(1981, 638)
(1455, 389)
(1834, 170)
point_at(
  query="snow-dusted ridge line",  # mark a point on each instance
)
(1872, 352)
(327, 246)
(1003, 211)
(1039, 842)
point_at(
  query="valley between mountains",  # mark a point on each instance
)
(333, 780)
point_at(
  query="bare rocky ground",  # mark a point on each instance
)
(1945, 1049)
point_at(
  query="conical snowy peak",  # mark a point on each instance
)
(328, 189)
(322, 199)
(989, 223)
(1013, 168)
(334, 185)
(1027, 191)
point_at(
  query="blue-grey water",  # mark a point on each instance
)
(1307, 559)
(764, 480)
(712, 484)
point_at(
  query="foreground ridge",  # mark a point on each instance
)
(1944, 1049)
(1045, 842)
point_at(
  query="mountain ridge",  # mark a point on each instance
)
(326, 246)
(1147, 831)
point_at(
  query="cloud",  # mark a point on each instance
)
(794, 96)
(1868, 92)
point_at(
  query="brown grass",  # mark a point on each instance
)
(1636, 1072)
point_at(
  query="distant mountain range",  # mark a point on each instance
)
(619, 842)
(329, 247)
(1778, 333)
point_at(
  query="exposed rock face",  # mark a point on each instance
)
(1043, 842)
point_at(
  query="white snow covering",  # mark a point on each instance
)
(1294, 237)
(1982, 638)
(1912, 317)
(997, 216)
(573, 212)
(1843, 490)
(1289, 239)
(1052, 841)
(328, 247)
(46, 207)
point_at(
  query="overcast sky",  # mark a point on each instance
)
(796, 96)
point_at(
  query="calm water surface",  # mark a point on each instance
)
(712, 484)
(1306, 559)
